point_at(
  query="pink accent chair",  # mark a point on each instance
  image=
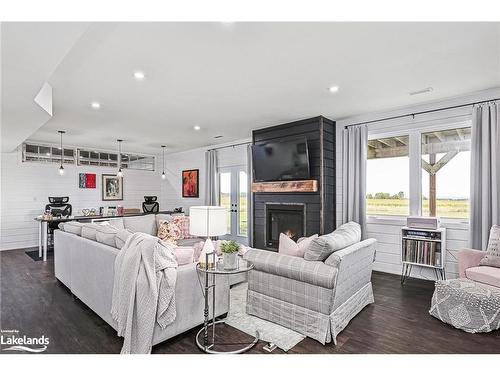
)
(468, 267)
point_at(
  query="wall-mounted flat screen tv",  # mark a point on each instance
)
(281, 161)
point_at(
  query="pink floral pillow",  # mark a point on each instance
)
(169, 232)
(288, 246)
(182, 223)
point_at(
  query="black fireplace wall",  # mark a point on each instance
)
(320, 206)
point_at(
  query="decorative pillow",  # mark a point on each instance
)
(198, 247)
(160, 217)
(182, 223)
(184, 255)
(345, 235)
(106, 234)
(89, 231)
(169, 232)
(492, 257)
(73, 227)
(144, 224)
(121, 237)
(116, 223)
(287, 246)
(243, 250)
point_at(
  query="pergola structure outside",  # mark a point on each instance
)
(446, 144)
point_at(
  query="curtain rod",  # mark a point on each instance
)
(236, 144)
(422, 112)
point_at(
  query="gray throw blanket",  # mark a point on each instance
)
(143, 291)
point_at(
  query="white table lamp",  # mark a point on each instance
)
(207, 221)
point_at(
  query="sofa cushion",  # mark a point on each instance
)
(121, 237)
(492, 257)
(74, 227)
(184, 255)
(144, 224)
(484, 274)
(116, 223)
(288, 246)
(316, 273)
(321, 247)
(190, 242)
(89, 231)
(106, 234)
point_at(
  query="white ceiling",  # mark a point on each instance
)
(230, 78)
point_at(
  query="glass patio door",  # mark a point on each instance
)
(233, 195)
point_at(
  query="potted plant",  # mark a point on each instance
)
(230, 250)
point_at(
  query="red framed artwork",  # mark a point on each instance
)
(191, 183)
(86, 180)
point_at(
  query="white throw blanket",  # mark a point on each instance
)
(143, 291)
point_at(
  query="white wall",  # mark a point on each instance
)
(26, 186)
(387, 231)
(171, 190)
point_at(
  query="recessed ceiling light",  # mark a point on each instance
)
(139, 75)
(197, 127)
(333, 89)
(95, 105)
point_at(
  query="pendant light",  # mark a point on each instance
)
(61, 168)
(163, 175)
(120, 173)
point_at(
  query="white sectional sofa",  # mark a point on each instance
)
(86, 267)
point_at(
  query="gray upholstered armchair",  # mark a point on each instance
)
(315, 298)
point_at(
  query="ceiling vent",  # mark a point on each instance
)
(423, 91)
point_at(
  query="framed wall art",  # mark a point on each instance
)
(191, 183)
(112, 187)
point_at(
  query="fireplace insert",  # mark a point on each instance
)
(287, 218)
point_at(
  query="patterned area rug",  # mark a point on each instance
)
(282, 337)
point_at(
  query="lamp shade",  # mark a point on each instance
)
(207, 221)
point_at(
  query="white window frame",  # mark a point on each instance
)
(414, 132)
(22, 154)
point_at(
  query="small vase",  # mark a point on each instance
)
(230, 261)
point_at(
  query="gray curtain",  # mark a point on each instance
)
(485, 173)
(250, 196)
(355, 144)
(212, 183)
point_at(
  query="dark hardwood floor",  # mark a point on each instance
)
(35, 303)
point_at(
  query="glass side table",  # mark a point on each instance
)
(210, 270)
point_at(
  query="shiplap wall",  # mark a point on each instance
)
(388, 231)
(26, 186)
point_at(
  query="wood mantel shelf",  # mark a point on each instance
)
(302, 186)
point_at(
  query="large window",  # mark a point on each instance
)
(387, 177)
(423, 172)
(446, 173)
(47, 154)
(110, 159)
